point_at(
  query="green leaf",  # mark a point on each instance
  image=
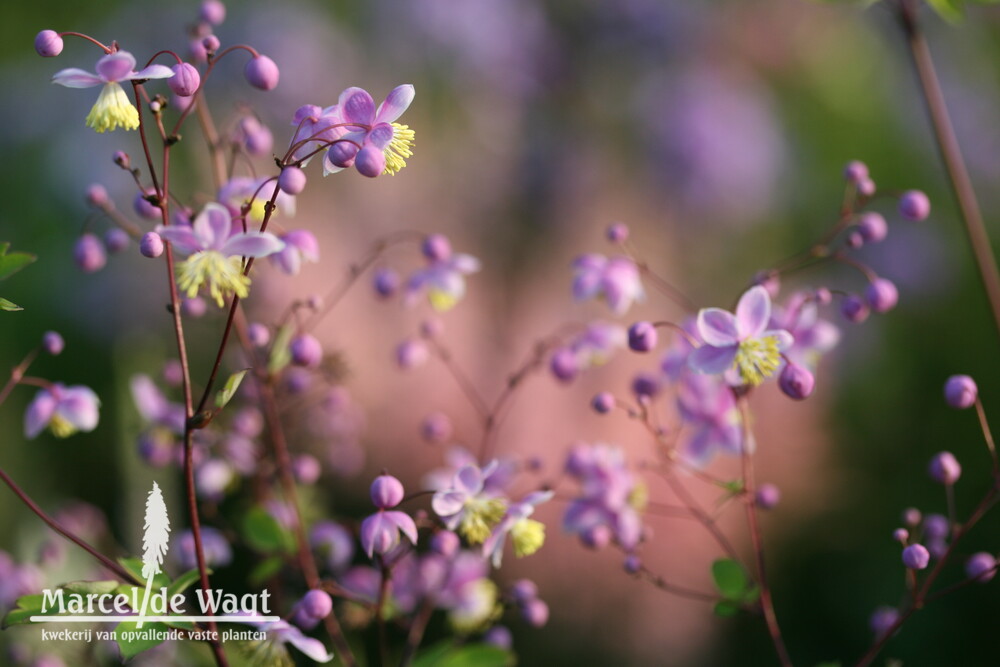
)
(87, 587)
(447, 654)
(227, 392)
(952, 11)
(183, 582)
(725, 608)
(134, 647)
(266, 569)
(263, 532)
(750, 595)
(729, 578)
(134, 567)
(27, 606)
(281, 356)
(14, 262)
(9, 305)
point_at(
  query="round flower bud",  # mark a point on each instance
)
(386, 282)
(500, 637)
(262, 73)
(617, 232)
(386, 491)
(436, 427)
(212, 11)
(960, 392)
(768, 496)
(143, 208)
(936, 527)
(446, 543)
(97, 196)
(855, 240)
(316, 603)
(185, 80)
(432, 327)
(914, 205)
(115, 240)
(916, 557)
(633, 565)
(306, 469)
(882, 620)
(596, 537)
(912, 517)
(48, 44)
(256, 137)
(195, 307)
(292, 180)
(866, 187)
(258, 334)
(306, 351)
(89, 254)
(855, 171)
(342, 154)
(944, 468)
(535, 613)
(370, 161)
(822, 296)
(436, 247)
(854, 309)
(210, 43)
(981, 566)
(155, 106)
(411, 354)
(122, 159)
(873, 227)
(796, 381)
(901, 535)
(882, 295)
(53, 343)
(603, 403)
(524, 591)
(642, 337)
(297, 381)
(645, 385)
(564, 364)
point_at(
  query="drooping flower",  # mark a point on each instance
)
(710, 418)
(527, 534)
(241, 190)
(443, 279)
(366, 137)
(380, 531)
(812, 336)
(467, 506)
(274, 652)
(741, 341)
(64, 410)
(215, 253)
(300, 246)
(614, 278)
(113, 108)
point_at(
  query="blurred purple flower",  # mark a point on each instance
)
(64, 410)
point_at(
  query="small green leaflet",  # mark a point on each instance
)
(8, 305)
(13, 262)
(227, 392)
(733, 585)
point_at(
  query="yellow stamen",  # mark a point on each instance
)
(528, 536)
(112, 110)
(224, 276)
(480, 608)
(398, 149)
(60, 427)
(440, 300)
(479, 518)
(757, 358)
(638, 497)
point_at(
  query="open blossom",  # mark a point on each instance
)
(300, 246)
(215, 253)
(812, 337)
(274, 652)
(527, 534)
(611, 497)
(113, 108)
(468, 506)
(64, 410)
(615, 278)
(241, 190)
(711, 420)
(366, 137)
(443, 279)
(741, 341)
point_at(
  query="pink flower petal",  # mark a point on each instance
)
(182, 236)
(76, 78)
(712, 360)
(252, 244)
(79, 406)
(718, 327)
(395, 104)
(39, 414)
(357, 106)
(753, 312)
(403, 522)
(212, 226)
(153, 72)
(116, 66)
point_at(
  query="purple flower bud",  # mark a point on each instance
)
(262, 73)
(855, 240)
(436, 427)
(48, 44)
(386, 491)
(342, 154)
(115, 240)
(596, 537)
(446, 543)
(936, 527)
(768, 496)
(212, 11)
(173, 372)
(914, 205)
(500, 637)
(185, 80)
(882, 295)
(564, 364)
(195, 307)
(854, 309)
(912, 517)
(292, 180)
(151, 245)
(796, 381)
(122, 159)
(855, 171)
(297, 381)
(882, 620)
(89, 254)
(53, 343)
(256, 137)
(258, 334)
(370, 161)
(524, 591)
(316, 603)
(960, 392)
(142, 206)
(411, 354)
(306, 469)
(302, 619)
(617, 232)
(822, 296)
(642, 337)
(436, 247)
(633, 564)
(873, 227)
(916, 557)
(306, 351)
(386, 282)
(432, 327)
(97, 196)
(603, 403)
(981, 566)
(944, 468)
(645, 385)
(901, 535)
(866, 187)
(535, 613)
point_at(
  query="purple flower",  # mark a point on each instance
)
(154, 407)
(367, 137)
(215, 253)
(64, 410)
(281, 633)
(916, 557)
(526, 534)
(961, 392)
(710, 417)
(616, 279)
(216, 548)
(610, 495)
(333, 544)
(468, 506)
(380, 531)
(300, 246)
(443, 279)
(241, 191)
(741, 341)
(812, 337)
(113, 108)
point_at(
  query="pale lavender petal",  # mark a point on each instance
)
(404, 523)
(470, 480)
(182, 236)
(373, 535)
(305, 242)
(753, 311)
(329, 167)
(718, 327)
(288, 260)
(380, 136)
(357, 106)
(213, 225)
(628, 528)
(79, 406)
(536, 498)
(252, 244)
(39, 413)
(448, 503)
(712, 360)
(784, 339)
(395, 104)
(310, 647)
(116, 66)
(148, 399)
(75, 77)
(153, 72)
(465, 263)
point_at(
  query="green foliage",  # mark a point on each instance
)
(734, 586)
(134, 567)
(266, 569)
(27, 606)
(229, 390)
(11, 263)
(281, 356)
(448, 654)
(131, 647)
(9, 305)
(264, 534)
(183, 582)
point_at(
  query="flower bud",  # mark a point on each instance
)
(370, 161)
(185, 80)
(854, 309)
(596, 537)
(901, 535)
(822, 296)
(564, 364)
(122, 159)
(873, 227)
(617, 232)
(411, 354)
(855, 171)
(306, 469)
(916, 557)
(882, 295)
(386, 491)
(292, 180)
(944, 468)
(255, 136)
(210, 43)
(866, 187)
(855, 240)
(535, 613)
(306, 351)
(603, 403)
(151, 245)
(48, 44)
(912, 517)
(882, 620)
(960, 392)
(212, 11)
(633, 565)
(914, 205)
(316, 603)
(342, 153)
(981, 566)
(53, 343)
(524, 591)
(89, 254)
(115, 240)
(194, 307)
(436, 427)
(97, 196)
(796, 381)
(936, 527)
(500, 637)
(386, 282)
(446, 543)
(645, 386)
(642, 337)
(768, 496)
(142, 206)
(436, 247)
(258, 334)
(262, 73)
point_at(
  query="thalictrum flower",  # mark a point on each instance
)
(113, 108)
(64, 410)
(614, 278)
(528, 535)
(215, 253)
(443, 279)
(380, 531)
(467, 506)
(741, 341)
(366, 137)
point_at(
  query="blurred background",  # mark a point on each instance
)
(717, 131)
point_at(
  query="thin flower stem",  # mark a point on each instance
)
(17, 374)
(673, 589)
(749, 501)
(417, 629)
(702, 516)
(477, 402)
(951, 156)
(984, 424)
(383, 596)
